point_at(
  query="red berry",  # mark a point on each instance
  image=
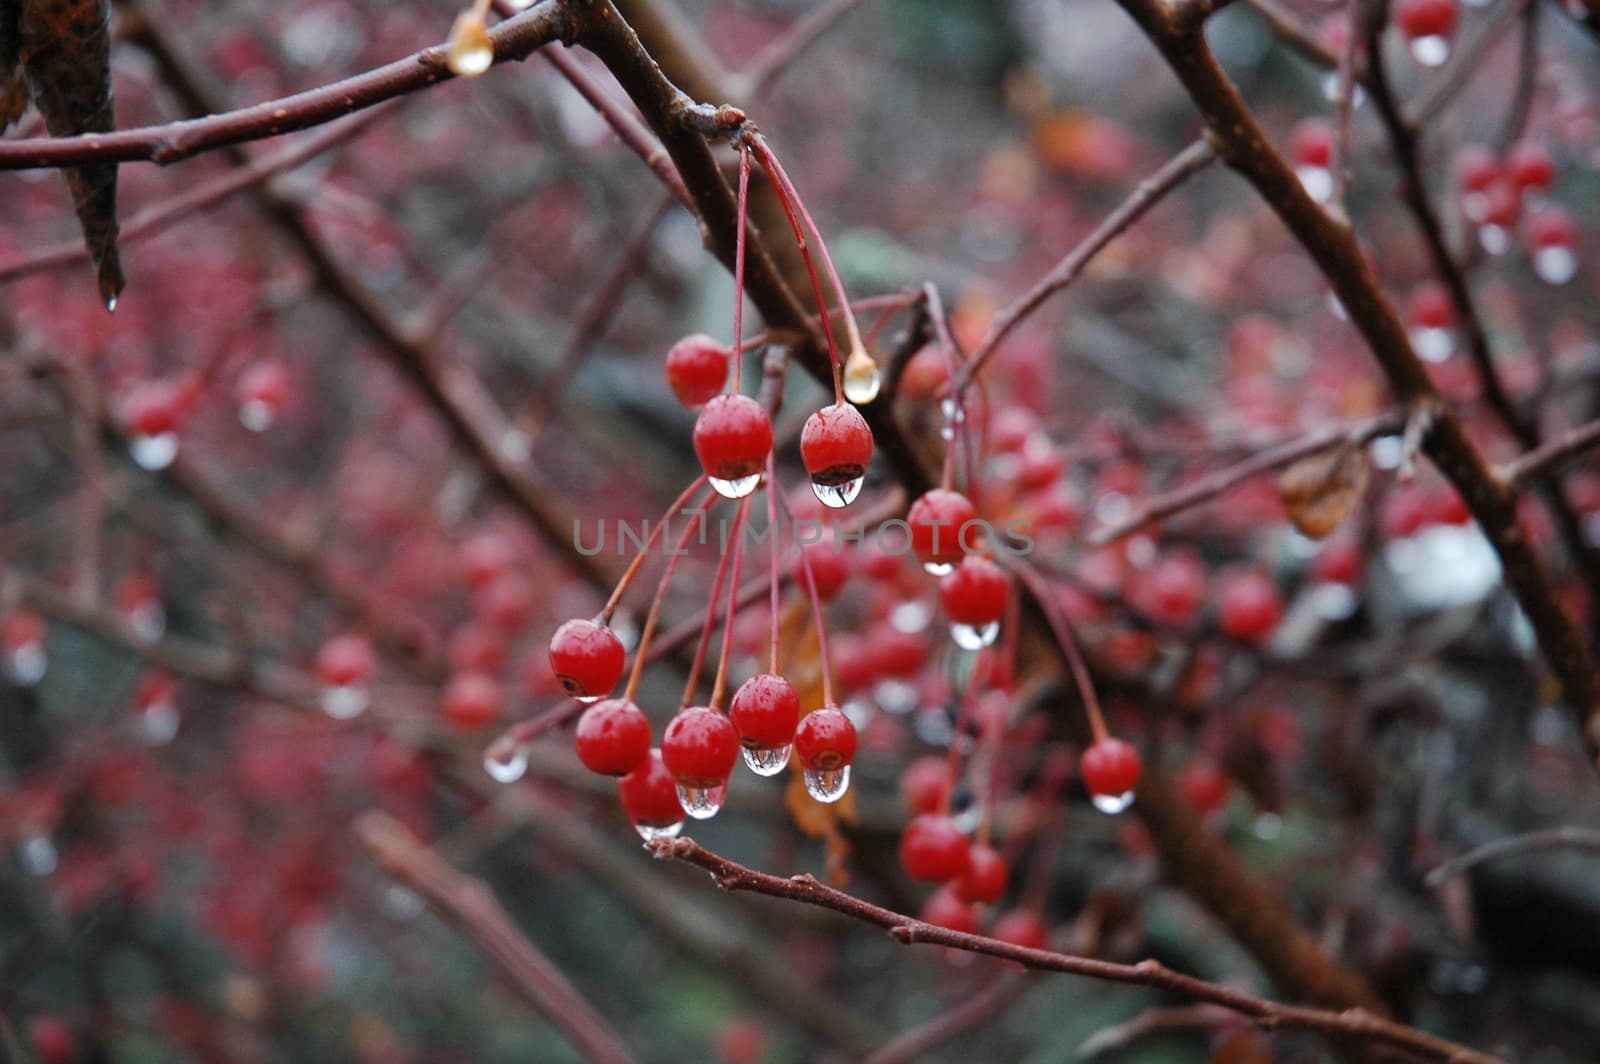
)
(475, 648)
(1476, 169)
(835, 447)
(1248, 606)
(650, 796)
(152, 408)
(1551, 227)
(974, 593)
(1426, 18)
(21, 628)
(1205, 787)
(944, 909)
(700, 747)
(156, 688)
(825, 740)
(487, 555)
(985, 877)
(1503, 206)
(933, 848)
(613, 737)
(1311, 143)
(897, 655)
(936, 521)
(587, 657)
(471, 700)
(1338, 562)
(854, 666)
(1011, 428)
(733, 437)
(1042, 466)
(1445, 506)
(923, 784)
(1110, 768)
(765, 710)
(265, 383)
(1528, 166)
(1431, 306)
(52, 1039)
(1020, 928)
(505, 602)
(742, 1041)
(830, 568)
(1405, 513)
(346, 661)
(697, 369)
(1172, 589)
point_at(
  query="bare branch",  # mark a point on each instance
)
(1553, 838)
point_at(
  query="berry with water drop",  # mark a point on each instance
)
(765, 710)
(1110, 768)
(346, 661)
(732, 438)
(825, 740)
(700, 747)
(612, 737)
(975, 592)
(587, 657)
(937, 520)
(835, 447)
(650, 796)
(471, 700)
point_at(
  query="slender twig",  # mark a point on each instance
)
(1544, 458)
(469, 905)
(1206, 488)
(805, 31)
(1466, 61)
(514, 39)
(1350, 1023)
(1566, 838)
(1150, 1021)
(1343, 104)
(985, 1005)
(1521, 107)
(1146, 195)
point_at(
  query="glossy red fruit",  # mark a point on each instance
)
(487, 555)
(1011, 428)
(897, 655)
(933, 848)
(829, 566)
(650, 795)
(613, 737)
(1431, 307)
(697, 369)
(1502, 206)
(974, 592)
(1171, 591)
(263, 389)
(836, 445)
(944, 909)
(1311, 143)
(985, 877)
(825, 740)
(21, 628)
(471, 700)
(1551, 227)
(1110, 768)
(1426, 18)
(1204, 787)
(700, 747)
(1476, 168)
(1020, 928)
(506, 602)
(346, 661)
(923, 784)
(936, 521)
(1248, 606)
(476, 648)
(733, 437)
(765, 710)
(1338, 562)
(1528, 167)
(587, 657)
(152, 408)
(52, 1039)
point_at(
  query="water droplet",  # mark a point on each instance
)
(1113, 508)
(1318, 182)
(1336, 306)
(158, 724)
(516, 446)
(26, 664)
(111, 305)
(1494, 239)
(154, 453)
(910, 617)
(861, 383)
(837, 496)
(1334, 602)
(1431, 50)
(520, 5)
(736, 489)
(859, 710)
(257, 415)
(1112, 803)
(37, 854)
(148, 621)
(650, 833)
(506, 769)
(938, 568)
(767, 761)
(1555, 264)
(402, 903)
(702, 803)
(1475, 205)
(827, 785)
(587, 700)
(954, 417)
(1433, 343)
(974, 637)
(342, 702)
(471, 52)
(895, 696)
(1387, 452)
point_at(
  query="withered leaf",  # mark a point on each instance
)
(65, 50)
(1320, 491)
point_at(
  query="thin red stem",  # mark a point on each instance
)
(655, 605)
(772, 539)
(706, 628)
(719, 687)
(1068, 643)
(649, 545)
(810, 583)
(738, 261)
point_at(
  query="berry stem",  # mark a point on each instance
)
(655, 604)
(738, 262)
(649, 545)
(719, 686)
(706, 628)
(1069, 646)
(772, 538)
(952, 770)
(780, 182)
(810, 582)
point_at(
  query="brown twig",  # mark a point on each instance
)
(1569, 838)
(514, 39)
(470, 906)
(1350, 1023)
(1203, 490)
(781, 53)
(984, 1005)
(1544, 458)
(1463, 64)
(1521, 107)
(1149, 192)
(1343, 104)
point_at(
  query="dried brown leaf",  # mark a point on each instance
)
(1319, 492)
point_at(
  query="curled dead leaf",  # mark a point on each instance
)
(1319, 492)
